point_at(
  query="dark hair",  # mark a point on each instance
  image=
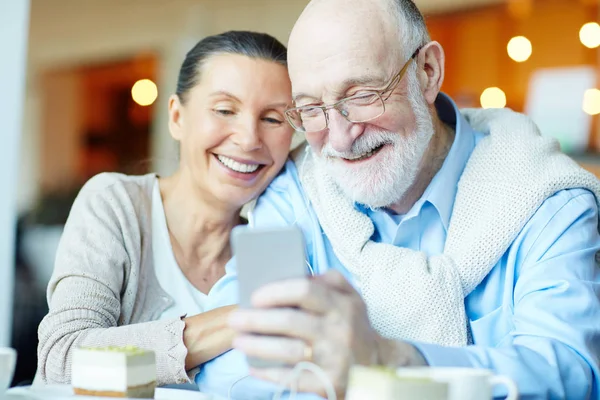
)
(245, 43)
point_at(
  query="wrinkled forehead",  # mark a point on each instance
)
(326, 56)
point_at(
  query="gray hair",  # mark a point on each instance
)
(411, 24)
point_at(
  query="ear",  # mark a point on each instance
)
(175, 117)
(431, 61)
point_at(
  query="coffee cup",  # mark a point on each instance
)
(464, 383)
(8, 359)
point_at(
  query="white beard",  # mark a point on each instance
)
(383, 183)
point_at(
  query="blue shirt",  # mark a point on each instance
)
(535, 317)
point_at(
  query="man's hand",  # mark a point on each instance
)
(322, 320)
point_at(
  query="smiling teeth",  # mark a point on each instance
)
(369, 154)
(237, 166)
(366, 155)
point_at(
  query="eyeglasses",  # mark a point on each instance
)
(362, 107)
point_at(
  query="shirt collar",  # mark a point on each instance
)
(441, 192)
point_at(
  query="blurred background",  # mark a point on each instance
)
(99, 73)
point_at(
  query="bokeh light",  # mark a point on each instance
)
(591, 101)
(144, 92)
(519, 48)
(493, 97)
(589, 34)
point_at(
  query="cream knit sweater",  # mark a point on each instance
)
(415, 297)
(103, 290)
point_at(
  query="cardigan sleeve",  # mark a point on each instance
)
(94, 278)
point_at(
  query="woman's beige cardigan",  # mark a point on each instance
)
(104, 291)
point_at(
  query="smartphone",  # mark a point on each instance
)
(264, 256)
(267, 255)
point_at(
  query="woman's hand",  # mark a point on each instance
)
(207, 336)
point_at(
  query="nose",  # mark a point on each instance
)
(342, 133)
(247, 135)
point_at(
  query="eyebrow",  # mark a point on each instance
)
(363, 80)
(374, 80)
(278, 105)
(225, 93)
(283, 104)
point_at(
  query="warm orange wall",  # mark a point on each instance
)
(101, 80)
(475, 43)
(76, 101)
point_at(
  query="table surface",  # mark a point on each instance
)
(65, 392)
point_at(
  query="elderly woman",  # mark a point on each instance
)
(140, 255)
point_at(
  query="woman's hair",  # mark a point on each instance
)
(245, 43)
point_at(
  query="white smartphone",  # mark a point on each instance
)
(264, 256)
(267, 255)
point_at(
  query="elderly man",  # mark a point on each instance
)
(440, 238)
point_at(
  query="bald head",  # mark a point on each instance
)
(349, 35)
(362, 37)
(352, 10)
(337, 24)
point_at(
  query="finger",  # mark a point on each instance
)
(272, 348)
(334, 279)
(278, 321)
(305, 293)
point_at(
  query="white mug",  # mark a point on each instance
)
(8, 359)
(382, 384)
(464, 383)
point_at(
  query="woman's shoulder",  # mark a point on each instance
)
(115, 196)
(118, 187)
(113, 181)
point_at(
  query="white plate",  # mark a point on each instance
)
(65, 392)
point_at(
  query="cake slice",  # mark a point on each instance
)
(114, 372)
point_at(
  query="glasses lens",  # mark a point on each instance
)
(294, 120)
(363, 107)
(307, 119)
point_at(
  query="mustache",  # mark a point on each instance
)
(362, 145)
